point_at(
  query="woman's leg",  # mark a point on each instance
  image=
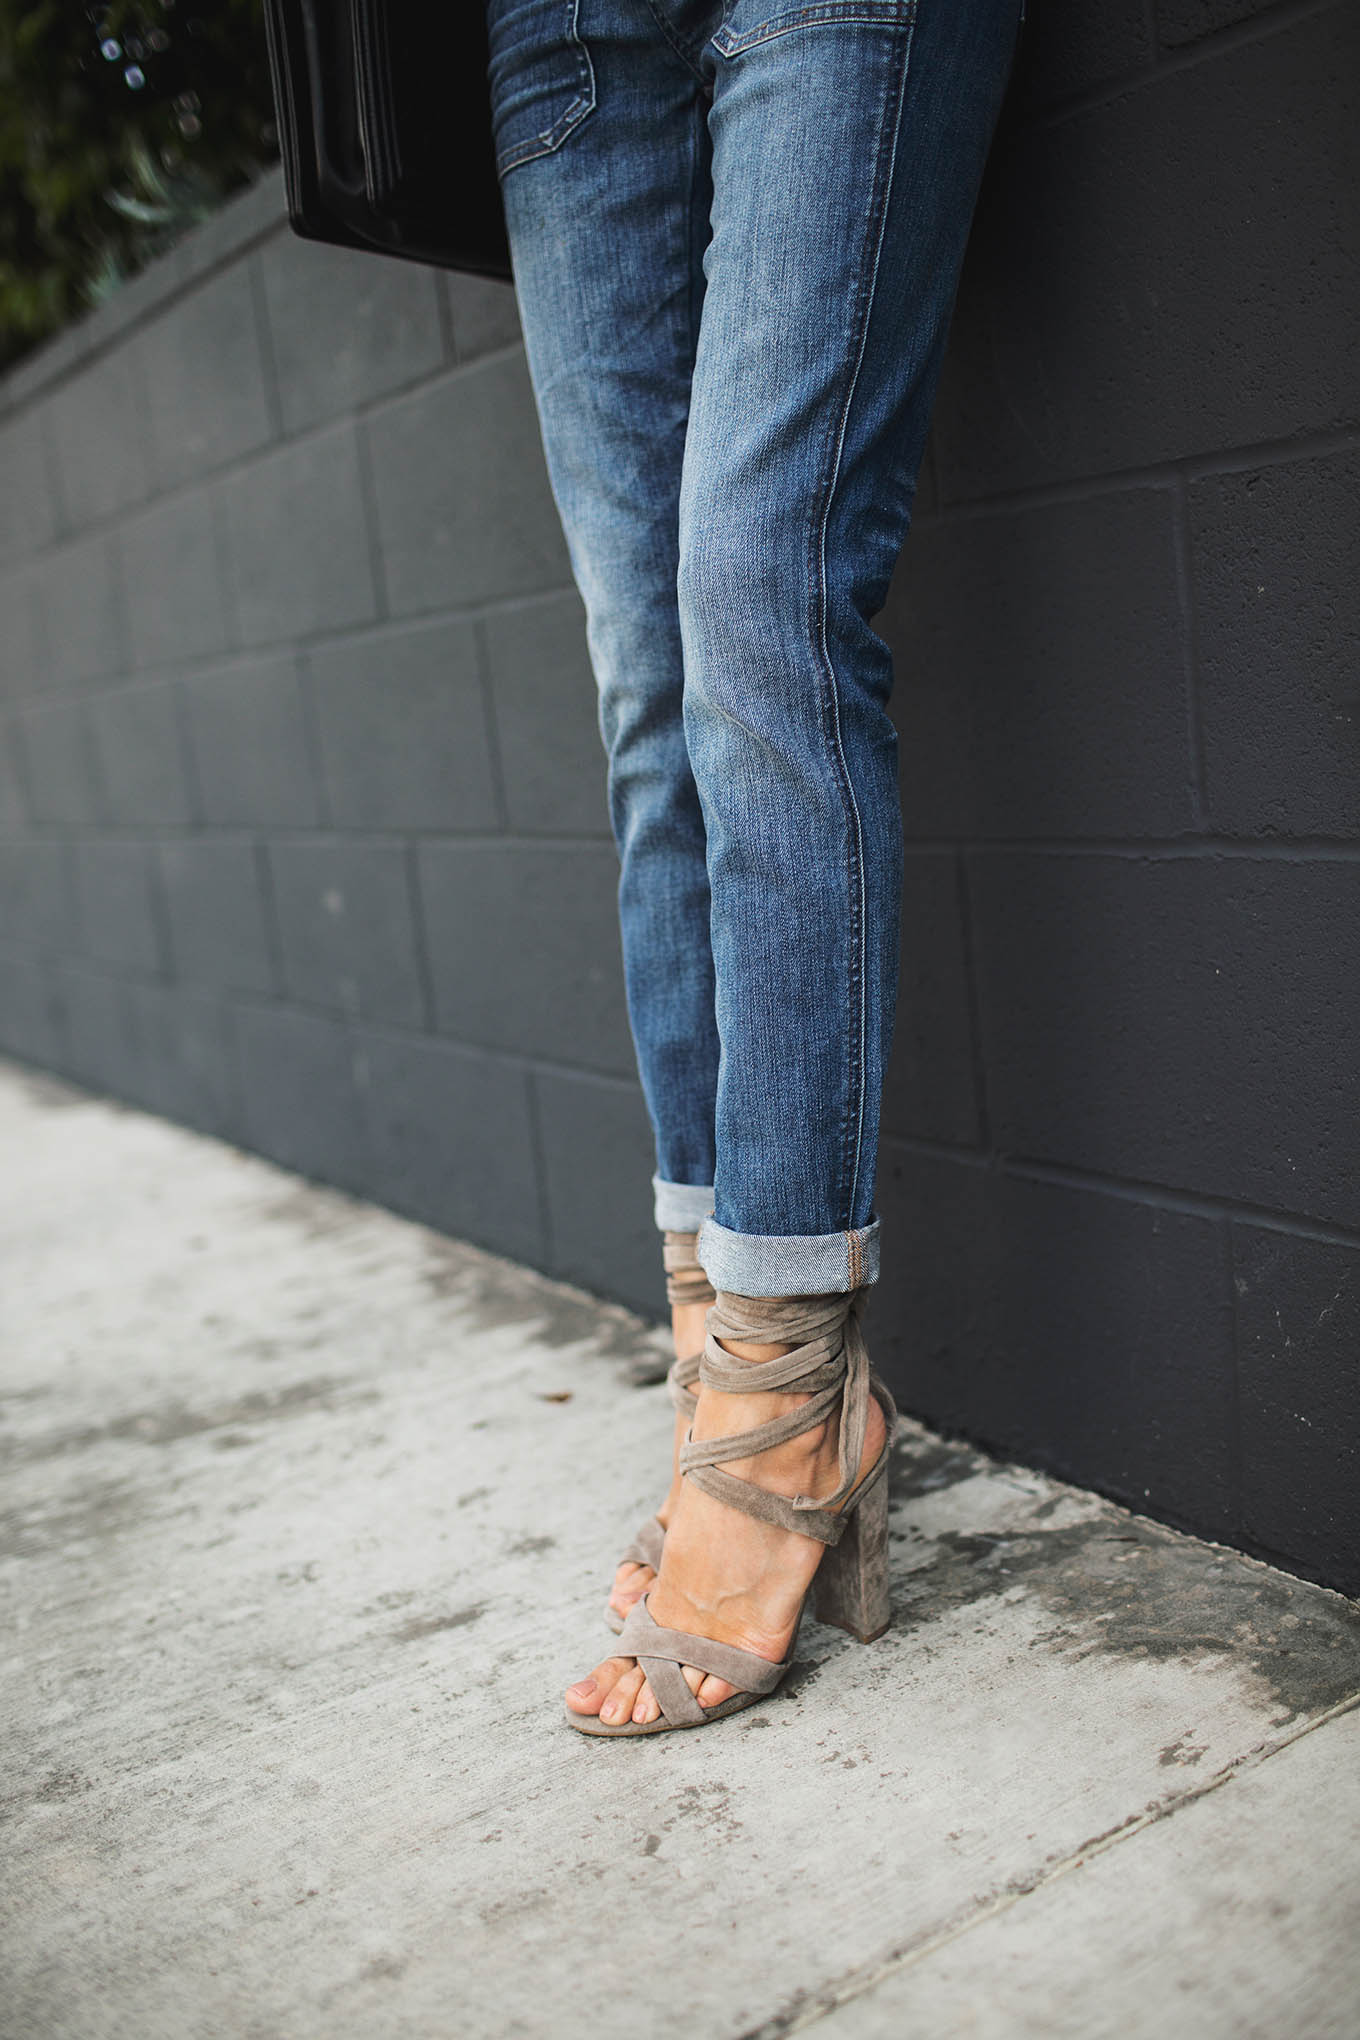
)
(848, 145)
(847, 158)
(600, 127)
(605, 153)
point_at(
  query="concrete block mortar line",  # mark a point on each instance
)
(493, 732)
(514, 605)
(1230, 1277)
(1194, 722)
(94, 766)
(1132, 1190)
(61, 521)
(424, 977)
(1275, 21)
(852, 1987)
(1176, 469)
(264, 341)
(538, 1150)
(375, 838)
(122, 608)
(444, 313)
(158, 907)
(372, 534)
(99, 966)
(75, 915)
(1195, 1204)
(1151, 849)
(223, 567)
(978, 1058)
(273, 932)
(193, 787)
(141, 405)
(179, 721)
(11, 752)
(22, 773)
(235, 1079)
(315, 750)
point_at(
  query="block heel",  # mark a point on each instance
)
(850, 1590)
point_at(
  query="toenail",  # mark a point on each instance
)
(584, 1690)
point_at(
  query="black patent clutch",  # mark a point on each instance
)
(385, 128)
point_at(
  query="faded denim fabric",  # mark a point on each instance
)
(736, 234)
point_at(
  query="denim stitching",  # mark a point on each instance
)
(553, 137)
(871, 13)
(864, 308)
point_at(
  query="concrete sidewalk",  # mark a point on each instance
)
(306, 1520)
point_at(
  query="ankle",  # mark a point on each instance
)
(744, 1349)
(688, 1328)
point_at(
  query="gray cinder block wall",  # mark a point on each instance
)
(302, 829)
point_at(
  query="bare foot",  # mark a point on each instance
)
(631, 1581)
(724, 1574)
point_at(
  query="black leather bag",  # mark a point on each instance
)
(385, 128)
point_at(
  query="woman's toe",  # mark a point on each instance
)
(589, 1695)
(620, 1703)
(630, 1584)
(711, 1692)
(646, 1707)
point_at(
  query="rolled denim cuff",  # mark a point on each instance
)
(811, 1264)
(681, 1207)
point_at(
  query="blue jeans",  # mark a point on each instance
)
(736, 233)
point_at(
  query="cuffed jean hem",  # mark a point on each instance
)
(681, 1207)
(811, 1264)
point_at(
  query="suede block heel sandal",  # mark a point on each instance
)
(829, 1363)
(686, 1282)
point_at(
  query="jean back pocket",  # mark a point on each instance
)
(541, 77)
(738, 34)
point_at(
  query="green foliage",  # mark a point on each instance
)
(121, 125)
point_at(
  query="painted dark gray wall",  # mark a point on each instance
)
(302, 833)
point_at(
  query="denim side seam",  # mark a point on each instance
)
(858, 987)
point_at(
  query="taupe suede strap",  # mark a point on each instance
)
(661, 1652)
(682, 1377)
(828, 1362)
(807, 1518)
(686, 1281)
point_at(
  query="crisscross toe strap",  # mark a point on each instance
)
(661, 1653)
(828, 1362)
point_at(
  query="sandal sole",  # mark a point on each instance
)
(590, 1724)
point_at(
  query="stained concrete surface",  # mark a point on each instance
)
(306, 1518)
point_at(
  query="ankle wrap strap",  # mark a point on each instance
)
(681, 1378)
(686, 1281)
(829, 1363)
